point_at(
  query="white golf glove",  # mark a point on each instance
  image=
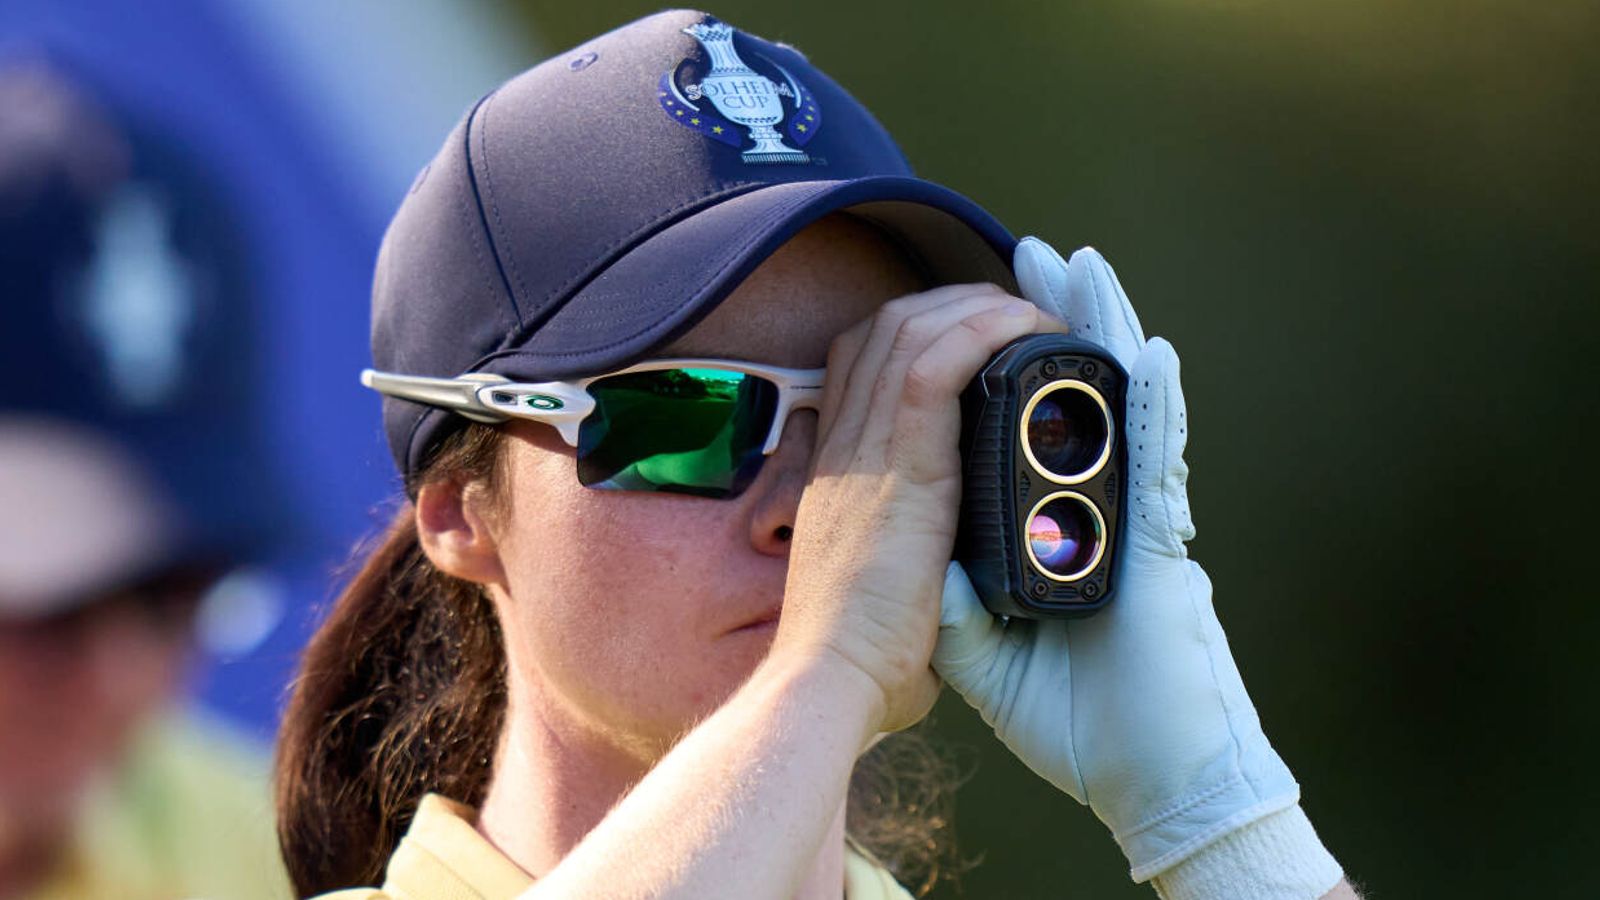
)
(1137, 711)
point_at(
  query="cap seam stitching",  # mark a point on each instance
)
(606, 256)
(477, 248)
(509, 260)
(477, 245)
(477, 198)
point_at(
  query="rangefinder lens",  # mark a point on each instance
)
(1067, 426)
(1066, 535)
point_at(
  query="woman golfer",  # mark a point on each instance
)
(670, 342)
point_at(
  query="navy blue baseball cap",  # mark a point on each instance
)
(597, 206)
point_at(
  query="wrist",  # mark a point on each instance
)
(1278, 857)
(821, 681)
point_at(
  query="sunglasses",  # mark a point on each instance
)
(686, 426)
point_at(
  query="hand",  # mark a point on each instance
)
(1138, 711)
(877, 518)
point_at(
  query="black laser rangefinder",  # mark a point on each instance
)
(1044, 474)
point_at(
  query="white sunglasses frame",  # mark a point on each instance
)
(485, 397)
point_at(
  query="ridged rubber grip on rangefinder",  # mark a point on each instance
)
(1004, 485)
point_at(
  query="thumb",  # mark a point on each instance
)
(1157, 432)
(969, 635)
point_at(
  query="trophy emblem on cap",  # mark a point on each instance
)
(742, 97)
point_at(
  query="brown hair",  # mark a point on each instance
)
(402, 692)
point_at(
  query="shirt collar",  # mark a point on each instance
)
(444, 855)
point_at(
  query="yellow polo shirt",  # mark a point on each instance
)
(443, 857)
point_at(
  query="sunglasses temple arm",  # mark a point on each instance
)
(790, 398)
(457, 394)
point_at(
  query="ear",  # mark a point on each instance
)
(454, 532)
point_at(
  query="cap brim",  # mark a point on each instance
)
(669, 281)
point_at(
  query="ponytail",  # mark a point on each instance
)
(401, 692)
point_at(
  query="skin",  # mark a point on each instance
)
(689, 685)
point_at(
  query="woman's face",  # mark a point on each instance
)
(628, 616)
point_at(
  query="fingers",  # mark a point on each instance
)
(851, 378)
(1042, 276)
(1099, 310)
(842, 355)
(1084, 292)
(1157, 432)
(874, 525)
(897, 333)
(925, 426)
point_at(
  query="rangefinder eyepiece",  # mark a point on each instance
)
(1044, 471)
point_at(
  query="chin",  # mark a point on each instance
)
(738, 654)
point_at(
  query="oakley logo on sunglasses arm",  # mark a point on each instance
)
(491, 398)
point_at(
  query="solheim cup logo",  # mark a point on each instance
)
(732, 96)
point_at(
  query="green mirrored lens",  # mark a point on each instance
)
(692, 431)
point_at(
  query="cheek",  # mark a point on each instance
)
(623, 602)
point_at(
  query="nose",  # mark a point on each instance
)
(776, 491)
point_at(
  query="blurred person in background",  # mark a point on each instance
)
(128, 490)
(107, 788)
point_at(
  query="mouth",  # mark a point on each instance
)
(768, 619)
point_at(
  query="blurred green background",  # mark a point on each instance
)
(1370, 230)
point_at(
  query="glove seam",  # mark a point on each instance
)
(1059, 299)
(1098, 307)
(1072, 730)
(1216, 832)
(1216, 682)
(1181, 806)
(1166, 505)
(1009, 691)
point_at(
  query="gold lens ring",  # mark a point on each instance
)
(1099, 544)
(1105, 415)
